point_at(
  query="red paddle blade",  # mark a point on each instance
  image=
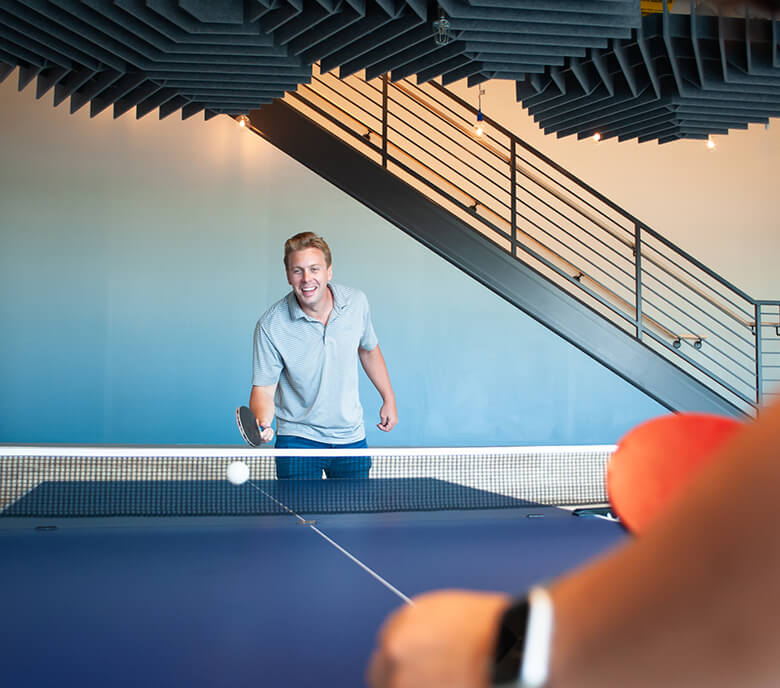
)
(658, 459)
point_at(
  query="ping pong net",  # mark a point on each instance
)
(59, 481)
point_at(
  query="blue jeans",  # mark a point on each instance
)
(311, 467)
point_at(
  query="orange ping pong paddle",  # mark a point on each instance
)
(658, 459)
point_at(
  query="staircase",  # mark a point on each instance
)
(537, 236)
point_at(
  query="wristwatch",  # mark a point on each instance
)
(522, 654)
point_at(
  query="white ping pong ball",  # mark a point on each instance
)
(238, 472)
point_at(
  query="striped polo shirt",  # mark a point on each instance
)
(315, 366)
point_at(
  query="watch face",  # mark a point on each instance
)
(508, 655)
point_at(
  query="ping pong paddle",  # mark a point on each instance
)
(247, 426)
(658, 460)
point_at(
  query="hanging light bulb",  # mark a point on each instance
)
(243, 121)
(441, 29)
(597, 137)
(710, 144)
(479, 128)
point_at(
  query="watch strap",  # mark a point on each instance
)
(522, 653)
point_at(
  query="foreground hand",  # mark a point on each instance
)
(388, 417)
(266, 434)
(445, 640)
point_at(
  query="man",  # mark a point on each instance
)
(306, 349)
(694, 601)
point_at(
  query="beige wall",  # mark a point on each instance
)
(722, 207)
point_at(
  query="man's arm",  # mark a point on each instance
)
(693, 602)
(374, 364)
(261, 401)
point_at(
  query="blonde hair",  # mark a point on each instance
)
(304, 240)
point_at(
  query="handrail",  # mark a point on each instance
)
(583, 212)
(682, 299)
(579, 210)
(584, 185)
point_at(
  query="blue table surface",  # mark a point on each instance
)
(251, 601)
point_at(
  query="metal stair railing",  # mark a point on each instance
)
(519, 199)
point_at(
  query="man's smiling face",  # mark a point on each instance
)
(308, 275)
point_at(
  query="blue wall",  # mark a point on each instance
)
(136, 256)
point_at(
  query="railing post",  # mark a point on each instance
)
(513, 194)
(759, 372)
(638, 278)
(385, 80)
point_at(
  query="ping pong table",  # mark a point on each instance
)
(289, 599)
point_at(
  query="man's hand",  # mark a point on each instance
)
(261, 401)
(374, 364)
(388, 416)
(445, 640)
